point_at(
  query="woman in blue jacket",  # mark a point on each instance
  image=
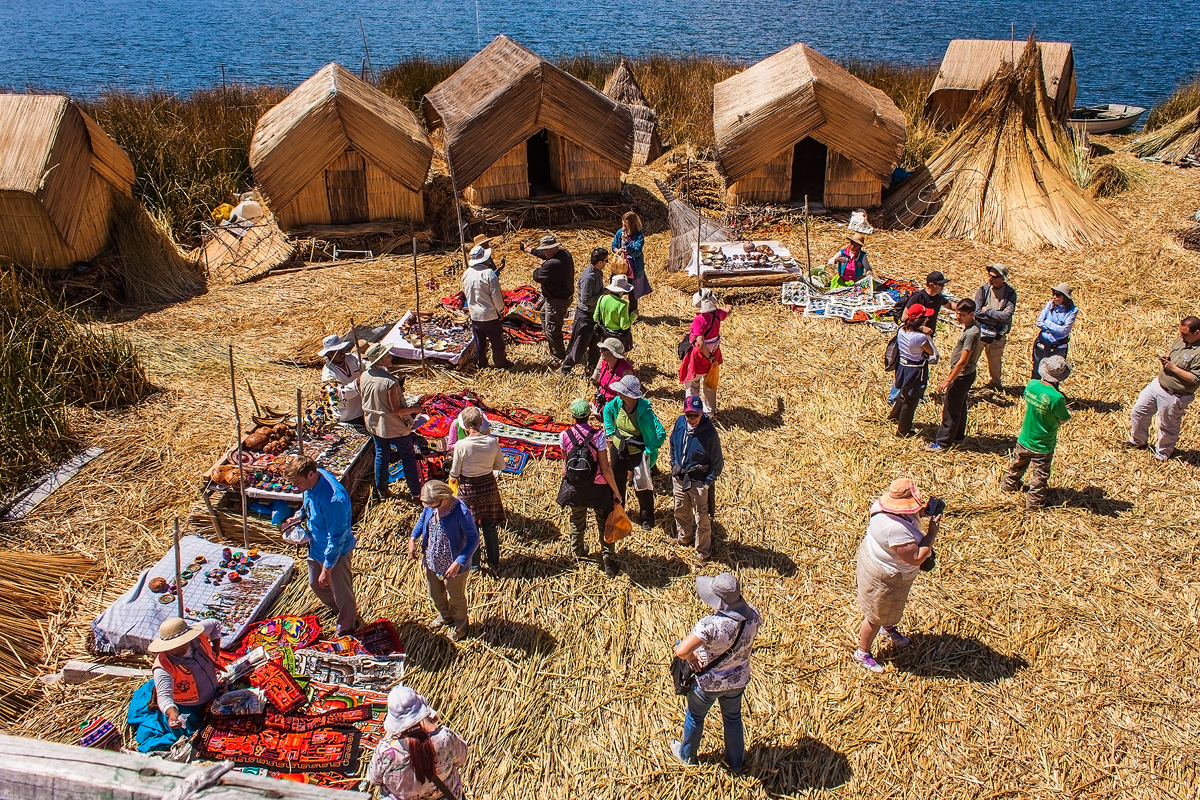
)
(627, 244)
(448, 537)
(634, 438)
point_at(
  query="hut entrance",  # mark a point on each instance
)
(346, 188)
(808, 170)
(541, 173)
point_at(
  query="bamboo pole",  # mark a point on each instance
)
(253, 399)
(417, 284)
(462, 238)
(237, 419)
(178, 571)
(807, 245)
(299, 425)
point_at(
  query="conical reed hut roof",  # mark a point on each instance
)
(623, 87)
(1001, 176)
(1174, 143)
(684, 221)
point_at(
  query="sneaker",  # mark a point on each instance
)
(867, 661)
(647, 525)
(934, 447)
(610, 567)
(564, 371)
(459, 633)
(1007, 487)
(677, 751)
(898, 638)
(1128, 445)
(437, 623)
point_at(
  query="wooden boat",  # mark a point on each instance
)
(1104, 118)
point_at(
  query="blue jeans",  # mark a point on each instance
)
(388, 452)
(1045, 350)
(698, 704)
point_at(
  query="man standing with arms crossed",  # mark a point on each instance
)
(1170, 394)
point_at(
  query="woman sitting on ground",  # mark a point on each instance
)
(916, 352)
(476, 466)
(417, 755)
(613, 315)
(612, 367)
(851, 262)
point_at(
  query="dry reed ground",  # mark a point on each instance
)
(1055, 653)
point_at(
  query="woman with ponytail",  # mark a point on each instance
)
(418, 757)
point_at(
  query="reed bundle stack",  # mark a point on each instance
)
(1001, 177)
(1174, 143)
(970, 63)
(513, 121)
(796, 125)
(59, 176)
(338, 151)
(688, 226)
(623, 87)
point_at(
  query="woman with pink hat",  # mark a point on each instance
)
(892, 552)
(418, 757)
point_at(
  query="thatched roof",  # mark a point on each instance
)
(970, 63)
(684, 221)
(1001, 176)
(505, 93)
(49, 148)
(1173, 143)
(798, 93)
(327, 114)
(623, 87)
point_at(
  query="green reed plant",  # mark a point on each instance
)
(1184, 99)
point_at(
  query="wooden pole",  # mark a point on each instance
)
(299, 425)
(462, 237)
(807, 245)
(417, 284)
(237, 418)
(253, 399)
(178, 571)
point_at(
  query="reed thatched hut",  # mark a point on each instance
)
(59, 176)
(338, 151)
(623, 87)
(796, 125)
(517, 127)
(1001, 177)
(970, 63)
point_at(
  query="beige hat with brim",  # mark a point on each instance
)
(375, 353)
(174, 632)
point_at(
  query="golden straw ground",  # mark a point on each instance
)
(1056, 653)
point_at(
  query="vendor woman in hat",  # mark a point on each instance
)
(851, 261)
(339, 376)
(185, 669)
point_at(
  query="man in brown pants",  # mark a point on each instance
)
(1045, 410)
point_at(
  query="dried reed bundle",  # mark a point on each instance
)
(1113, 178)
(1171, 143)
(1001, 178)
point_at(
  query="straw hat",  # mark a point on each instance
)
(406, 708)
(901, 497)
(1064, 289)
(722, 592)
(481, 241)
(375, 353)
(628, 386)
(857, 238)
(334, 344)
(174, 632)
(619, 283)
(478, 255)
(1054, 369)
(614, 346)
(705, 300)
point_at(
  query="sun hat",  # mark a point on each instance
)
(628, 386)
(999, 269)
(722, 592)
(936, 277)
(1054, 369)
(901, 497)
(705, 300)
(375, 353)
(547, 242)
(613, 345)
(481, 240)
(918, 310)
(1064, 289)
(858, 222)
(174, 632)
(619, 283)
(857, 238)
(693, 403)
(406, 708)
(580, 408)
(478, 255)
(333, 344)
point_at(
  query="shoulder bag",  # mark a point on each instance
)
(682, 674)
(685, 344)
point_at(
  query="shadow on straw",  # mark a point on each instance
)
(1088, 404)
(1093, 499)
(527, 567)
(791, 769)
(945, 655)
(992, 445)
(500, 632)
(431, 651)
(529, 530)
(749, 419)
(651, 571)
(739, 555)
(661, 319)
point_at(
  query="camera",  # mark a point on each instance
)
(935, 507)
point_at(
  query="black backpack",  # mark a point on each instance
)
(581, 460)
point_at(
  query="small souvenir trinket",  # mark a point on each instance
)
(234, 577)
(201, 560)
(227, 553)
(167, 599)
(158, 585)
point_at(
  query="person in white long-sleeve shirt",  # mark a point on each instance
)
(485, 304)
(339, 376)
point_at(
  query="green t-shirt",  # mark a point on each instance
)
(1045, 410)
(627, 428)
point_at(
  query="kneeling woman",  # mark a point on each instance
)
(418, 757)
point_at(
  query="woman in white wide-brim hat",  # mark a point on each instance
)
(339, 376)
(418, 757)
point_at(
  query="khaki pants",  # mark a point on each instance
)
(339, 595)
(995, 354)
(1039, 476)
(692, 521)
(1170, 409)
(449, 596)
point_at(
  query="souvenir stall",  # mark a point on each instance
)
(867, 300)
(522, 314)
(755, 263)
(444, 336)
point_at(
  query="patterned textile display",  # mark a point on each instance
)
(280, 687)
(329, 697)
(520, 429)
(379, 673)
(376, 639)
(292, 631)
(514, 460)
(239, 703)
(98, 732)
(338, 718)
(248, 741)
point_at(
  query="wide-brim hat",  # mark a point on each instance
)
(613, 345)
(547, 242)
(1064, 289)
(721, 592)
(1054, 369)
(478, 255)
(705, 300)
(334, 344)
(857, 238)
(619, 283)
(999, 269)
(628, 386)
(375, 353)
(481, 239)
(901, 497)
(174, 632)
(406, 708)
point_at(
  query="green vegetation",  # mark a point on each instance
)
(1184, 99)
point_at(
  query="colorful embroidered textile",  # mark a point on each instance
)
(292, 631)
(281, 689)
(514, 460)
(331, 697)
(338, 718)
(98, 732)
(380, 638)
(247, 741)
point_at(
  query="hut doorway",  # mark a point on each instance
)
(346, 189)
(541, 173)
(808, 170)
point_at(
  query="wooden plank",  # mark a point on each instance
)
(47, 485)
(84, 672)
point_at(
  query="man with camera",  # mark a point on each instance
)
(892, 552)
(696, 461)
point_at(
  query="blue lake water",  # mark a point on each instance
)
(1124, 52)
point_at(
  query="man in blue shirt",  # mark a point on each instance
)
(325, 515)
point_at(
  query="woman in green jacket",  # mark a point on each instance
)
(613, 314)
(634, 438)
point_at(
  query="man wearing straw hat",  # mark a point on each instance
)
(185, 669)
(340, 377)
(1170, 394)
(995, 304)
(388, 420)
(485, 305)
(556, 276)
(1045, 411)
